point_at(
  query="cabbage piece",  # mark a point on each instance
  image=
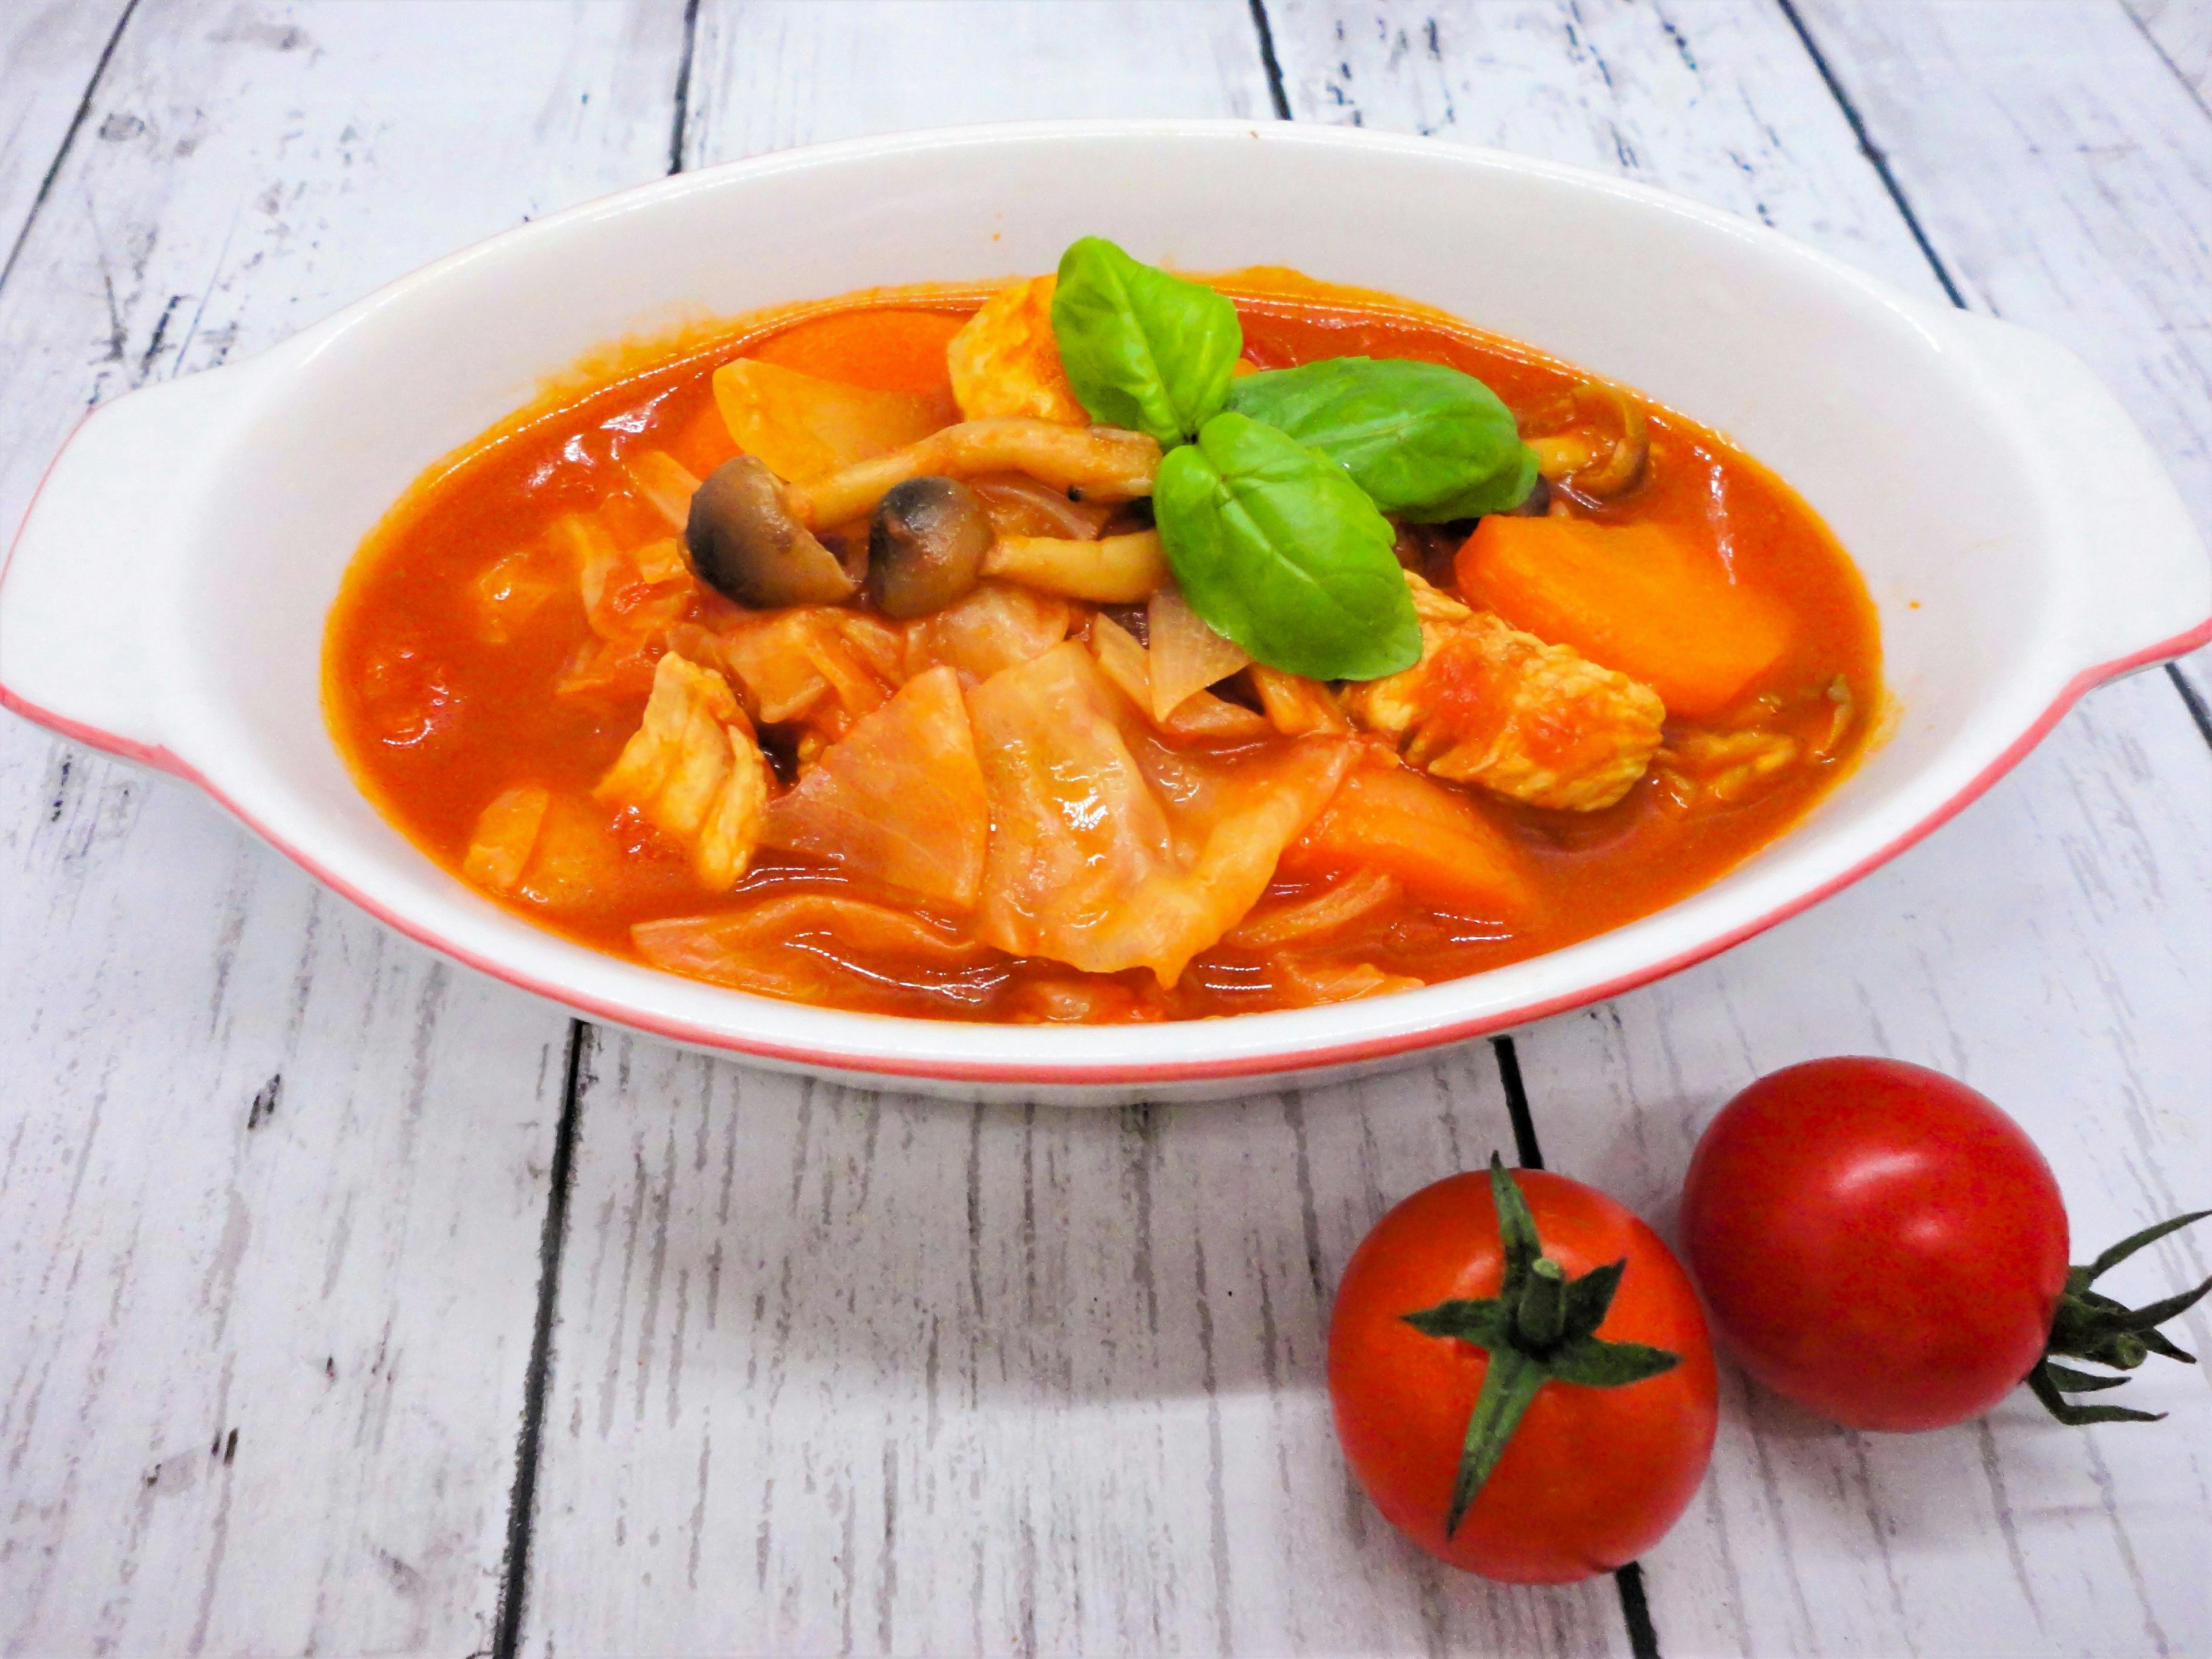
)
(996, 626)
(692, 770)
(506, 833)
(632, 597)
(1312, 984)
(1090, 863)
(1074, 826)
(1173, 916)
(512, 590)
(826, 947)
(787, 661)
(802, 427)
(899, 800)
(665, 485)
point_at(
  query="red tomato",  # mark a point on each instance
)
(1877, 1243)
(1593, 1476)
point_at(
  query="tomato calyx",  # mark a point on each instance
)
(1542, 1327)
(2092, 1326)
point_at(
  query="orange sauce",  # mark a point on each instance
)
(435, 723)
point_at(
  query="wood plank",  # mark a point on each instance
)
(2183, 31)
(2063, 173)
(50, 49)
(836, 1370)
(2046, 947)
(769, 76)
(861, 1371)
(271, 1179)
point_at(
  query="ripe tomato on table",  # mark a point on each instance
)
(1450, 1355)
(1883, 1246)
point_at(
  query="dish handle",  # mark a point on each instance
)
(2138, 587)
(81, 592)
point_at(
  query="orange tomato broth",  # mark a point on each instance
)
(435, 723)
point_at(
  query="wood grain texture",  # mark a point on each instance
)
(769, 76)
(2052, 946)
(860, 1373)
(271, 1179)
(2182, 30)
(2064, 175)
(50, 49)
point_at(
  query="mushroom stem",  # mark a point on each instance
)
(1106, 463)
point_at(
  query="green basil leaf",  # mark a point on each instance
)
(1276, 547)
(1143, 350)
(1427, 442)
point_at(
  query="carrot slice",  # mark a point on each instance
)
(1435, 841)
(1641, 599)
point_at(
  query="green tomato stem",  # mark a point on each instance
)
(1508, 1386)
(1539, 1320)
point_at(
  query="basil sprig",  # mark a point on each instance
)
(1281, 551)
(1427, 442)
(1271, 518)
(1145, 350)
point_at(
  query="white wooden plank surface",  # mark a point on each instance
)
(2064, 175)
(835, 1370)
(2183, 31)
(2054, 945)
(271, 1179)
(838, 1371)
(49, 52)
(769, 74)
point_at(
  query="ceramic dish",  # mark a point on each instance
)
(165, 599)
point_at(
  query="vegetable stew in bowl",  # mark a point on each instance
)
(1104, 646)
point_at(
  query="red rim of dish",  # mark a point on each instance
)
(1050, 1075)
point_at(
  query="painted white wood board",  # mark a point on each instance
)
(2055, 945)
(265, 1343)
(49, 52)
(834, 1370)
(770, 74)
(837, 1370)
(2063, 173)
(2183, 30)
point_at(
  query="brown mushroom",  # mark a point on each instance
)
(746, 541)
(1599, 444)
(926, 546)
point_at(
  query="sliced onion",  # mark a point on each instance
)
(1315, 913)
(1187, 655)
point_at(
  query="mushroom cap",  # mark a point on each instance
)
(747, 543)
(926, 546)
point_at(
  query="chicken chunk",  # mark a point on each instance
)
(694, 771)
(1490, 705)
(1007, 360)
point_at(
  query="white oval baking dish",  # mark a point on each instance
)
(164, 600)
